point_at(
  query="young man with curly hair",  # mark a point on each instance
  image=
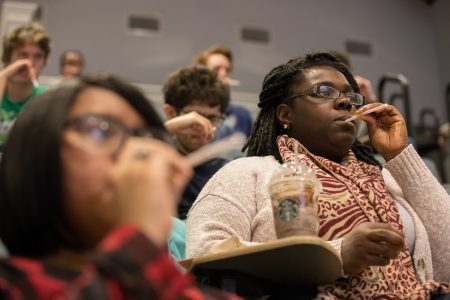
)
(195, 92)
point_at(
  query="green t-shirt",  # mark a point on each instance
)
(9, 112)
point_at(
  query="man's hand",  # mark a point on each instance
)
(191, 124)
(18, 66)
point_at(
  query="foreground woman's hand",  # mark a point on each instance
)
(147, 182)
(387, 130)
(370, 244)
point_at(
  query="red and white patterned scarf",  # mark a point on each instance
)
(353, 193)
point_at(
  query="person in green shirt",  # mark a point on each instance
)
(25, 52)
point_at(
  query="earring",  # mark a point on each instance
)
(286, 126)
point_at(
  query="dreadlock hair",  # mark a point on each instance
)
(277, 86)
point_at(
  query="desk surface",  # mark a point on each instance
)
(293, 261)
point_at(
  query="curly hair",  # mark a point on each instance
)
(28, 33)
(195, 84)
(278, 84)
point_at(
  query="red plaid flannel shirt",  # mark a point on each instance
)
(127, 265)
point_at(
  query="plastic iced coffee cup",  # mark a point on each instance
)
(294, 189)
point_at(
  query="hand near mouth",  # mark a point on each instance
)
(21, 65)
(387, 129)
(363, 111)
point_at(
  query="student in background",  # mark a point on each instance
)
(71, 64)
(25, 52)
(219, 59)
(195, 92)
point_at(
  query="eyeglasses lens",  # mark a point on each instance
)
(327, 92)
(99, 135)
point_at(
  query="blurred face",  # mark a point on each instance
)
(88, 198)
(72, 66)
(194, 141)
(318, 123)
(221, 65)
(35, 55)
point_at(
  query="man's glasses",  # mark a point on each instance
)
(214, 119)
(102, 134)
(328, 92)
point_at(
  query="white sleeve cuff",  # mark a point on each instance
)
(337, 245)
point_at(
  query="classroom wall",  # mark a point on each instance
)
(407, 37)
(441, 22)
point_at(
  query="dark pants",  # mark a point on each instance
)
(441, 297)
(252, 288)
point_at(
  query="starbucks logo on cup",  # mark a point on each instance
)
(287, 209)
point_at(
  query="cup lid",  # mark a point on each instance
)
(296, 171)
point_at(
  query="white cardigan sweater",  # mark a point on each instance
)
(236, 202)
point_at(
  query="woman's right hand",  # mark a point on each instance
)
(147, 181)
(191, 124)
(370, 244)
(387, 130)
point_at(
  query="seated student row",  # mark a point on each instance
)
(431, 236)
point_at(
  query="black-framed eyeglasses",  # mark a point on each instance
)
(103, 134)
(214, 119)
(329, 92)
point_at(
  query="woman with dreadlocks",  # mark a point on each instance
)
(396, 218)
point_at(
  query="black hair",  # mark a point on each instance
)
(277, 86)
(196, 84)
(32, 219)
(342, 57)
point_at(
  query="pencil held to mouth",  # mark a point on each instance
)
(35, 82)
(374, 109)
(212, 150)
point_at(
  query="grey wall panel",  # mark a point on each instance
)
(441, 20)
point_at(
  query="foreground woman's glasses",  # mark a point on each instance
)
(103, 134)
